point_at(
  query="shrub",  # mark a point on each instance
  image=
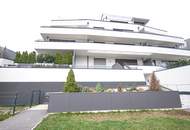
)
(178, 63)
(25, 57)
(32, 57)
(59, 58)
(40, 58)
(119, 89)
(18, 57)
(154, 83)
(99, 88)
(70, 85)
(67, 58)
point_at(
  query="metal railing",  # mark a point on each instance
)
(13, 96)
(38, 92)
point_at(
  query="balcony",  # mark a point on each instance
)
(113, 50)
(107, 35)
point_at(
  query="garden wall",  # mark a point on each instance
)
(71, 102)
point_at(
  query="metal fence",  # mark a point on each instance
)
(9, 97)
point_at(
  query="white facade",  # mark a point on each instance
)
(111, 40)
(60, 75)
(4, 62)
(177, 79)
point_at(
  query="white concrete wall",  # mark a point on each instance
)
(82, 33)
(147, 69)
(5, 62)
(96, 48)
(81, 61)
(59, 75)
(177, 79)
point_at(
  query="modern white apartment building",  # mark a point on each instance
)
(113, 42)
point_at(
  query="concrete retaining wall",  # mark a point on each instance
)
(24, 89)
(70, 102)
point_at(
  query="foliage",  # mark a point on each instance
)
(67, 58)
(25, 57)
(131, 120)
(178, 63)
(40, 58)
(119, 89)
(154, 83)
(99, 87)
(32, 57)
(59, 58)
(45, 58)
(18, 57)
(49, 58)
(71, 85)
(4, 116)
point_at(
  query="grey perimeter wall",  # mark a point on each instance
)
(71, 102)
(24, 89)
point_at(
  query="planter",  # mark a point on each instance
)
(75, 102)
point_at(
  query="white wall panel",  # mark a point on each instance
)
(59, 75)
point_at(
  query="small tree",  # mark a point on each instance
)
(59, 58)
(24, 57)
(32, 57)
(17, 57)
(154, 83)
(49, 58)
(99, 88)
(70, 85)
(67, 58)
(40, 58)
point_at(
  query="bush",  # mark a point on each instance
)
(59, 58)
(154, 83)
(178, 63)
(67, 58)
(32, 57)
(18, 57)
(99, 88)
(70, 85)
(119, 89)
(25, 57)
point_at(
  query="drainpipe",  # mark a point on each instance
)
(73, 60)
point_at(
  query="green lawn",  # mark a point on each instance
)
(6, 111)
(141, 120)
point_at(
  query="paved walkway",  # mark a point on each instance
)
(25, 120)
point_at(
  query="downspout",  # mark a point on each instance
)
(73, 59)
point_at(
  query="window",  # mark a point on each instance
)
(99, 62)
(124, 62)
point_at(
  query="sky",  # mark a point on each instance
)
(20, 20)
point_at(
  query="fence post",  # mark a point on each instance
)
(15, 101)
(39, 96)
(31, 100)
